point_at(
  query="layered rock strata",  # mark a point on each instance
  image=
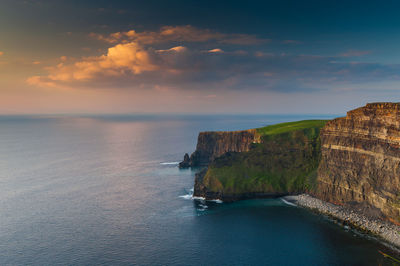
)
(360, 161)
(211, 145)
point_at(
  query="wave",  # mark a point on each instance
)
(170, 163)
(287, 202)
(216, 201)
(190, 196)
(187, 196)
(198, 198)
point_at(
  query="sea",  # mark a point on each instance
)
(107, 190)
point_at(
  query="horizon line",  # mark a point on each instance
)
(160, 114)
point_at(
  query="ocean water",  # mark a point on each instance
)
(106, 190)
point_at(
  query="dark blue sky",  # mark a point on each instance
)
(295, 54)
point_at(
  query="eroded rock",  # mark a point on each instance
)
(361, 159)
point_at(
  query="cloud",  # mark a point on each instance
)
(40, 82)
(151, 60)
(354, 53)
(177, 49)
(178, 34)
(216, 50)
(121, 59)
(132, 66)
(1, 53)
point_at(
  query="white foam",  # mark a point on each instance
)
(216, 201)
(188, 196)
(170, 163)
(198, 198)
(288, 202)
(191, 197)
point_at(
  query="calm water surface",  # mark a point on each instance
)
(104, 190)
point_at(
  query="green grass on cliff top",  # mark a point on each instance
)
(290, 126)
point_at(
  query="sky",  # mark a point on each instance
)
(272, 57)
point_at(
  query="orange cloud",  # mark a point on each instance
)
(178, 34)
(216, 50)
(119, 60)
(1, 53)
(131, 55)
(177, 49)
(40, 81)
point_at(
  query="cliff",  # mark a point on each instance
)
(284, 161)
(352, 161)
(211, 145)
(360, 162)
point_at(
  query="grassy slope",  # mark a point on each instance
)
(290, 126)
(286, 161)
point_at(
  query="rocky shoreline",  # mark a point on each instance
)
(385, 231)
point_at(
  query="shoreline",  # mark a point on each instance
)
(385, 232)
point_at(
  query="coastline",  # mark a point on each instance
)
(384, 231)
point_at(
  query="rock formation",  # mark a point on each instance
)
(352, 161)
(211, 145)
(361, 159)
(285, 161)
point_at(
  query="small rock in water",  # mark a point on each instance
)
(186, 161)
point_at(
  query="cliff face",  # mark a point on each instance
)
(282, 165)
(352, 160)
(360, 161)
(211, 145)
(284, 162)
